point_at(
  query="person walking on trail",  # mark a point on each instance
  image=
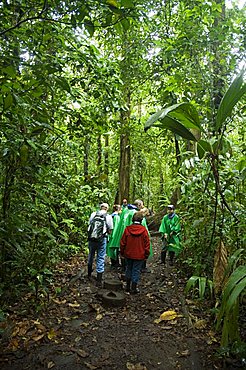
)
(100, 225)
(112, 250)
(135, 248)
(170, 230)
(124, 203)
(125, 220)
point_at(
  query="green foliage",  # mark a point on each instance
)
(234, 93)
(199, 286)
(228, 314)
(179, 118)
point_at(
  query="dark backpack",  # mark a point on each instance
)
(97, 228)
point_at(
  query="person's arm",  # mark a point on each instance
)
(123, 244)
(110, 224)
(146, 244)
(163, 229)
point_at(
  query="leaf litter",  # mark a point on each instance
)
(151, 331)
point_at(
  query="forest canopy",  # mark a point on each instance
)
(102, 100)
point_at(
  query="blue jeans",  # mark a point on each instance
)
(98, 247)
(133, 269)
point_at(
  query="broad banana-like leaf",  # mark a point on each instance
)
(235, 279)
(178, 118)
(234, 93)
(241, 285)
(187, 115)
(203, 147)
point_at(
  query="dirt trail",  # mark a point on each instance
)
(77, 331)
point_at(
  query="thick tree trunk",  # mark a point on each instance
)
(218, 67)
(124, 168)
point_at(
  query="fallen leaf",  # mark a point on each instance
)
(90, 366)
(200, 324)
(138, 366)
(184, 353)
(166, 327)
(51, 364)
(52, 334)
(99, 317)
(14, 344)
(59, 302)
(85, 324)
(167, 316)
(80, 352)
(38, 337)
(212, 338)
(74, 304)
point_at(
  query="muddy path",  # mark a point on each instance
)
(79, 330)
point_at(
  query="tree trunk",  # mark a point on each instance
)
(86, 158)
(106, 162)
(99, 154)
(124, 168)
(218, 67)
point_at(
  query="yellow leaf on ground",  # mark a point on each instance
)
(52, 334)
(200, 324)
(74, 304)
(99, 317)
(169, 315)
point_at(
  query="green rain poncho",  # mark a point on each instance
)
(111, 250)
(124, 221)
(172, 225)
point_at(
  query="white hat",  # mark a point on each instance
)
(171, 206)
(104, 205)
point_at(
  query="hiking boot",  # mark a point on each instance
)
(99, 279)
(90, 269)
(134, 290)
(163, 257)
(171, 255)
(128, 285)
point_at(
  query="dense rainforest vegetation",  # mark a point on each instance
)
(102, 100)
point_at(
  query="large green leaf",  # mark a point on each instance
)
(202, 286)
(203, 147)
(187, 115)
(177, 128)
(235, 277)
(178, 118)
(241, 285)
(191, 283)
(234, 93)
(235, 280)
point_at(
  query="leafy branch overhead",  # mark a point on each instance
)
(183, 119)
